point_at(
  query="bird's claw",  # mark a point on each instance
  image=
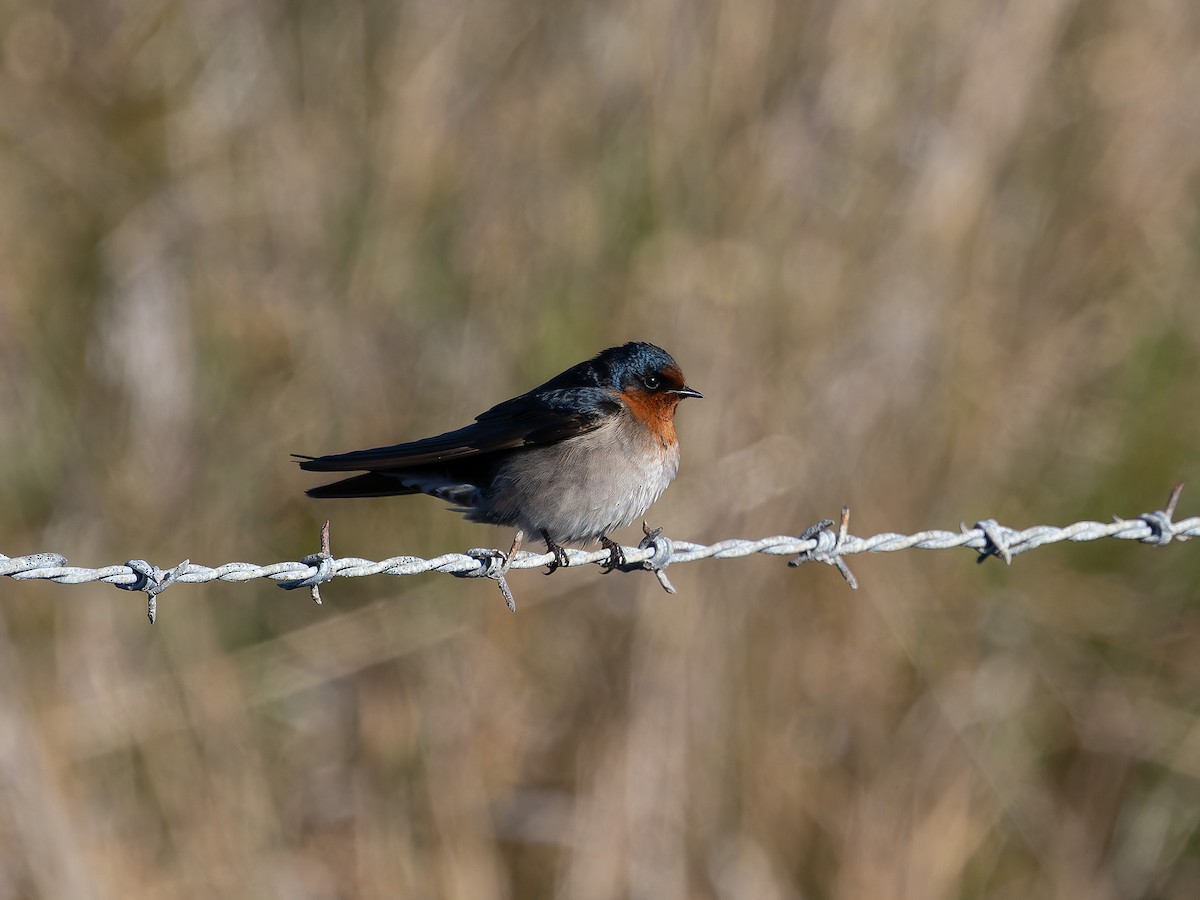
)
(560, 555)
(616, 556)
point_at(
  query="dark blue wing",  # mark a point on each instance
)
(539, 417)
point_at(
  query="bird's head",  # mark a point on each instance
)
(647, 371)
(649, 382)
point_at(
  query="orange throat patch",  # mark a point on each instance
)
(655, 411)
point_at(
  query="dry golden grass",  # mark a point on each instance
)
(936, 260)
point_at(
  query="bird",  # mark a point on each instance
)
(574, 459)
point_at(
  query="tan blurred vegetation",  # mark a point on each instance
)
(937, 260)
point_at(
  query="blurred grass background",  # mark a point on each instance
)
(937, 260)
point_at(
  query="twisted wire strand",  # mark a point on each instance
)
(988, 538)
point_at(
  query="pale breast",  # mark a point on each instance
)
(583, 487)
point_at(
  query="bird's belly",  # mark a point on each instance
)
(581, 488)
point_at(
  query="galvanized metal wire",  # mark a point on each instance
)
(821, 543)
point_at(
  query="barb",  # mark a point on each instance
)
(820, 543)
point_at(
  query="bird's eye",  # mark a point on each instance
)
(652, 382)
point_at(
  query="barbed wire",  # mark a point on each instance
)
(820, 543)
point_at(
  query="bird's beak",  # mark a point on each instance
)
(686, 391)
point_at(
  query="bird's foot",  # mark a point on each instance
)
(560, 555)
(616, 556)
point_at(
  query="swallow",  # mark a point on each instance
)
(574, 459)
